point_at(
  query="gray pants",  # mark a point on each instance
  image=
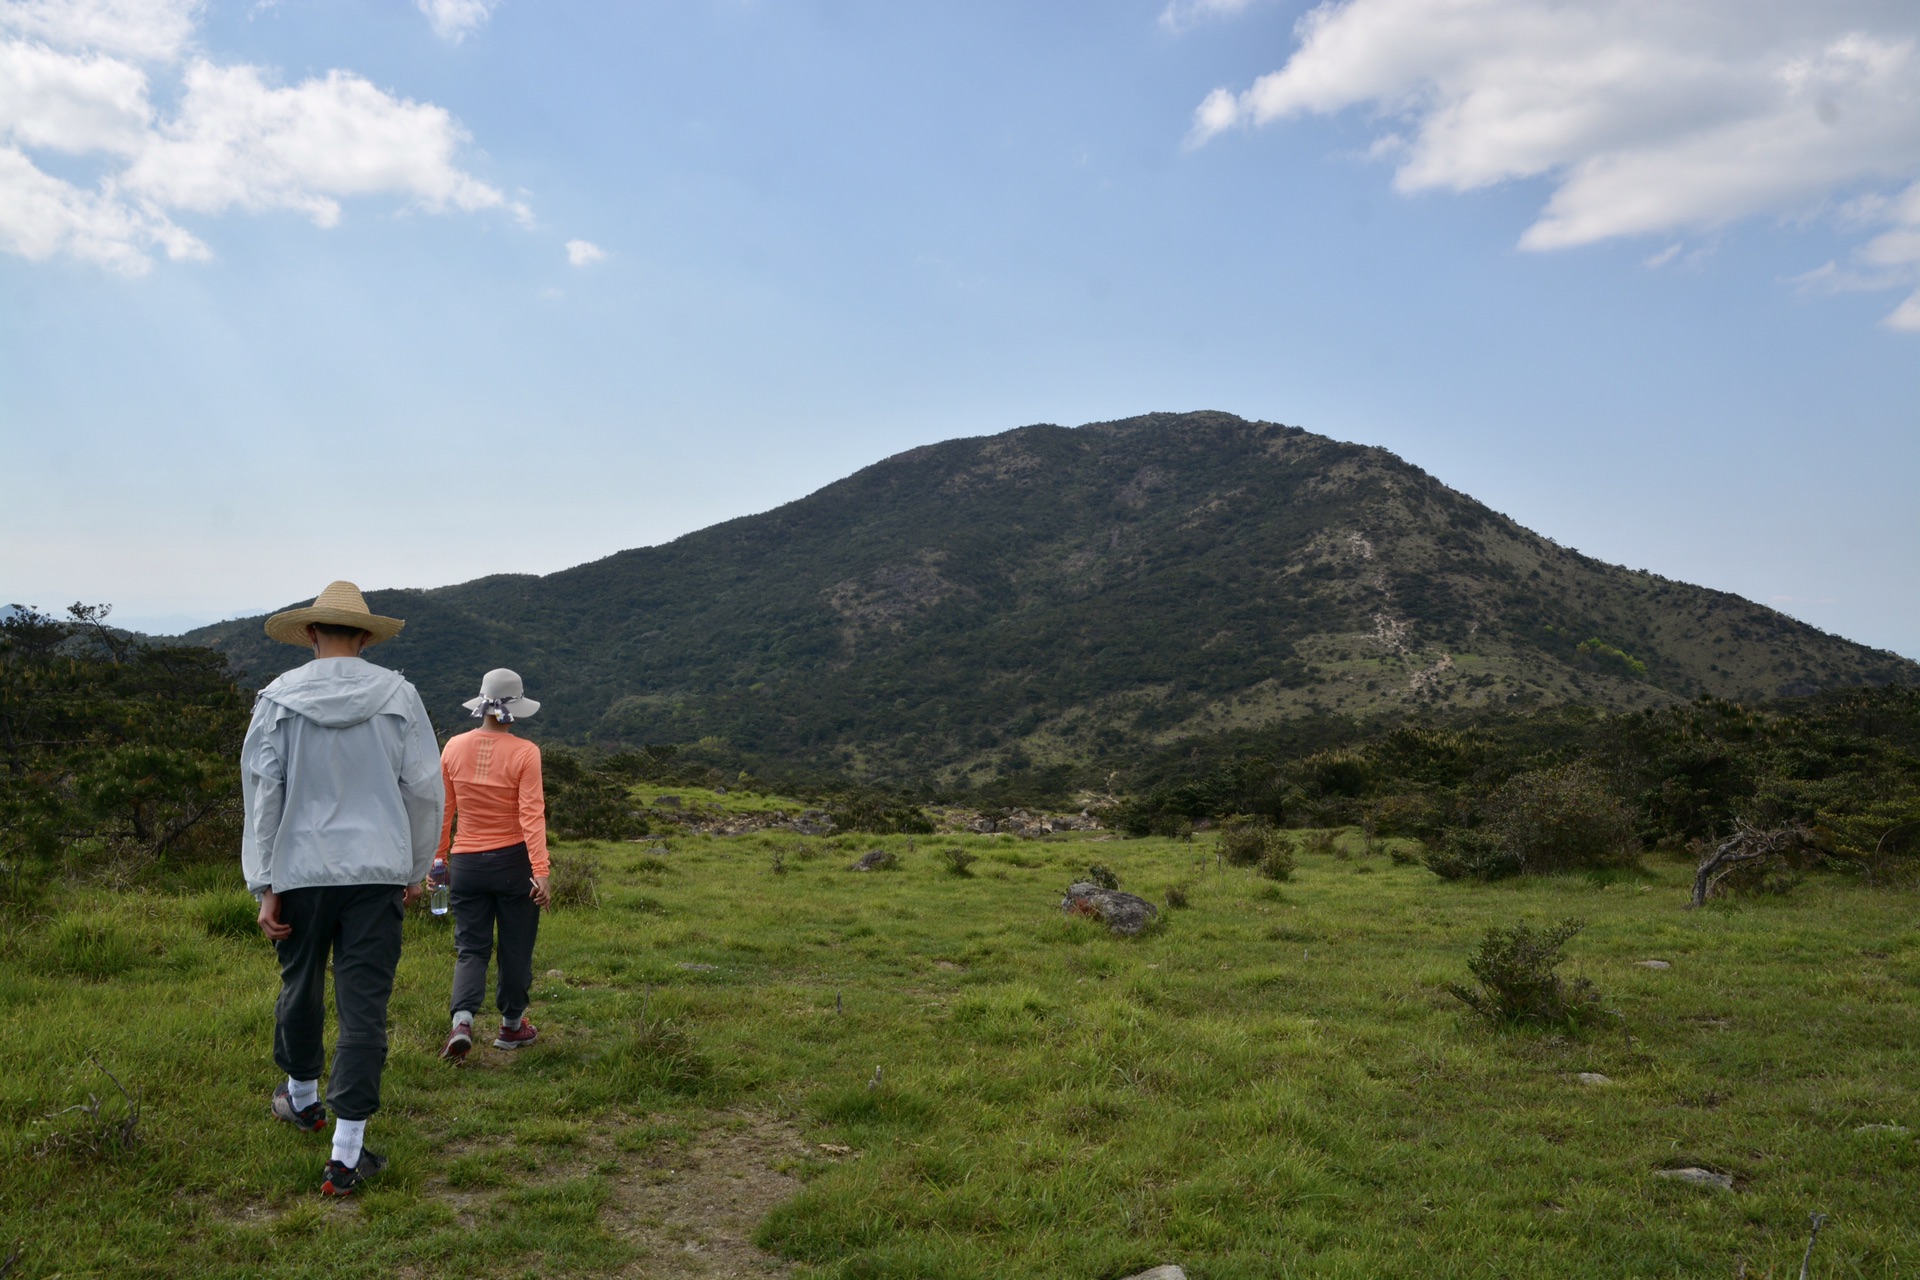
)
(491, 889)
(359, 926)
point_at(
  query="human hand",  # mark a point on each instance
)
(410, 895)
(269, 919)
(542, 896)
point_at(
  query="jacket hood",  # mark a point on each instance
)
(336, 692)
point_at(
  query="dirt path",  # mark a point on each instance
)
(692, 1208)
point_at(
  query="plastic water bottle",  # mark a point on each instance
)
(441, 878)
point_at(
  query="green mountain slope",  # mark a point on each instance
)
(1053, 594)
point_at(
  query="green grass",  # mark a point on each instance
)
(1271, 1082)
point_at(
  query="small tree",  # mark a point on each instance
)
(1518, 985)
(1752, 858)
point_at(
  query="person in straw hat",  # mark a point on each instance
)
(340, 778)
(498, 861)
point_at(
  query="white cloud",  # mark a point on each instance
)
(74, 79)
(238, 141)
(144, 30)
(1179, 15)
(1663, 257)
(454, 19)
(1647, 116)
(583, 253)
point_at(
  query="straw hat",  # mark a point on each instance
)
(502, 693)
(342, 605)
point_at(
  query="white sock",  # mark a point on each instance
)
(463, 1016)
(512, 1024)
(348, 1136)
(303, 1092)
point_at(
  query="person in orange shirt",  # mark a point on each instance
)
(498, 861)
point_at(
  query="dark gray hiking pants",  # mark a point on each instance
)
(359, 926)
(490, 889)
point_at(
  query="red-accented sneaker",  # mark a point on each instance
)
(339, 1180)
(312, 1117)
(516, 1037)
(458, 1042)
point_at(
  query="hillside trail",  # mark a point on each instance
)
(692, 1209)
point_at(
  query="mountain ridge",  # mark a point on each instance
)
(1053, 594)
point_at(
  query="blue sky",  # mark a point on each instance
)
(287, 292)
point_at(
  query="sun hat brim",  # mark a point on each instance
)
(291, 627)
(520, 708)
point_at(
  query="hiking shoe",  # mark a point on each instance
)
(342, 1181)
(312, 1117)
(518, 1037)
(458, 1042)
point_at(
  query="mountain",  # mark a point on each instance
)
(1056, 594)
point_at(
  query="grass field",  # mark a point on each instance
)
(1273, 1082)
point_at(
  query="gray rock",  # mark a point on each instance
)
(1167, 1272)
(876, 860)
(1124, 913)
(1651, 964)
(1593, 1077)
(667, 802)
(1697, 1177)
(1880, 1128)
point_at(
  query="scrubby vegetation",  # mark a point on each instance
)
(117, 758)
(1572, 787)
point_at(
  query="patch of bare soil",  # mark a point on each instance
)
(692, 1208)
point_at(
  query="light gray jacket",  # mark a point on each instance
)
(341, 779)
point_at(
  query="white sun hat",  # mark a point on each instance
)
(502, 693)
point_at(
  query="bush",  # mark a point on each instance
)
(589, 801)
(1322, 843)
(958, 860)
(1246, 840)
(1400, 815)
(1561, 819)
(1277, 863)
(877, 815)
(576, 878)
(1176, 897)
(1103, 876)
(1466, 854)
(1518, 985)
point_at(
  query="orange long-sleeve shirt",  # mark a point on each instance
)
(493, 784)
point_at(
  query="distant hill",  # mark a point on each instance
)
(1052, 594)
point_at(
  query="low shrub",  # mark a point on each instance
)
(877, 815)
(1176, 897)
(1468, 854)
(1246, 840)
(588, 800)
(1103, 876)
(576, 878)
(1277, 862)
(1320, 842)
(1517, 983)
(958, 860)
